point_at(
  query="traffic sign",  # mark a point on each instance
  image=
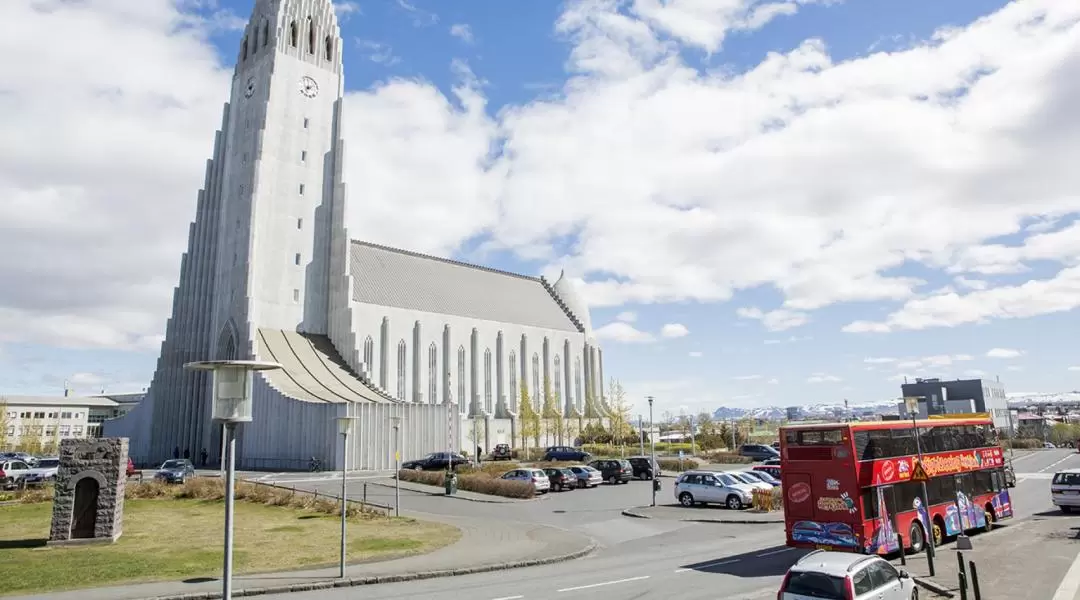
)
(918, 473)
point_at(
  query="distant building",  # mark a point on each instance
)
(958, 396)
(45, 420)
(794, 413)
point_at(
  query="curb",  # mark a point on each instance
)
(934, 587)
(418, 489)
(632, 513)
(376, 579)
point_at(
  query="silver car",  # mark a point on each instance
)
(751, 478)
(708, 487)
(587, 476)
(538, 478)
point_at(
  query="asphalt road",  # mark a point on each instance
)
(640, 558)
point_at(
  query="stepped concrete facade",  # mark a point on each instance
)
(363, 330)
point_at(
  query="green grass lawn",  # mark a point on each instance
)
(181, 539)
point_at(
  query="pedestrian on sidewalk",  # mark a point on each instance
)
(202, 457)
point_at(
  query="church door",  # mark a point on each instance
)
(84, 515)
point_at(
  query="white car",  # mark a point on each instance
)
(750, 479)
(823, 575)
(708, 487)
(47, 468)
(12, 472)
(538, 478)
(1065, 490)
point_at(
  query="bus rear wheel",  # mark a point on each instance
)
(938, 533)
(917, 538)
(989, 516)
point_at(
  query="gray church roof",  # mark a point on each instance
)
(386, 276)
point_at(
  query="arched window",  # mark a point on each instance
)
(514, 391)
(310, 36)
(243, 55)
(329, 47)
(433, 374)
(266, 33)
(558, 383)
(536, 381)
(369, 355)
(401, 370)
(461, 378)
(577, 382)
(488, 407)
(293, 34)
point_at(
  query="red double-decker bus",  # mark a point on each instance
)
(852, 486)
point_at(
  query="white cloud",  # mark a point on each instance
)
(1004, 353)
(971, 284)
(788, 340)
(823, 378)
(696, 354)
(974, 373)
(1076, 368)
(883, 360)
(674, 330)
(623, 332)
(378, 52)
(774, 381)
(627, 316)
(746, 377)
(635, 184)
(462, 31)
(346, 8)
(775, 320)
(420, 17)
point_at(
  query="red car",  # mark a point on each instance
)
(773, 470)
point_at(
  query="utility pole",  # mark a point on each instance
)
(652, 443)
(641, 432)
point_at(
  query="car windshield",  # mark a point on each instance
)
(816, 585)
(172, 464)
(592, 469)
(49, 463)
(743, 477)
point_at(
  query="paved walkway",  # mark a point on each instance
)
(485, 545)
(674, 512)
(1032, 559)
(432, 490)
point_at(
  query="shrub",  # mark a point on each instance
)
(725, 457)
(674, 464)
(213, 490)
(1022, 443)
(491, 469)
(477, 481)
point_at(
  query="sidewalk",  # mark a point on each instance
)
(674, 512)
(1028, 559)
(485, 545)
(388, 482)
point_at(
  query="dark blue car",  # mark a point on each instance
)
(565, 454)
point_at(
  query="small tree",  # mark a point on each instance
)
(31, 442)
(5, 422)
(620, 412)
(530, 419)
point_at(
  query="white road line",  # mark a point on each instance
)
(1044, 469)
(1071, 583)
(771, 552)
(707, 565)
(510, 598)
(595, 585)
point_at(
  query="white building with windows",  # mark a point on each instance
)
(44, 420)
(362, 330)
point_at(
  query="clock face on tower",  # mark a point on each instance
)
(308, 87)
(250, 89)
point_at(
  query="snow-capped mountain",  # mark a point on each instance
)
(810, 411)
(1024, 398)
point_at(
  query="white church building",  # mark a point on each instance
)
(271, 273)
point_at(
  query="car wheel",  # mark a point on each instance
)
(686, 499)
(989, 525)
(916, 537)
(914, 593)
(611, 480)
(734, 502)
(1066, 509)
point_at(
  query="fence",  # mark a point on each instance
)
(363, 502)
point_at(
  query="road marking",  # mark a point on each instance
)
(510, 598)
(707, 565)
(774, 552)
(1071, 583)
(1044, 469)
(595, 585)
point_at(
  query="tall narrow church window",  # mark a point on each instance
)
(301, 189)
(488, 407)
(310, 36)
(303, 155)
(536, 381)
(300, 223)
(369, 354)
(461, 378)
(401, 370)
(514, 392)
(297, 258)
(577, 382)
(305, 122)
(292, 34)
(296, 295)
(558, 383)
(433, 374)
(329, 48)
(266, 33)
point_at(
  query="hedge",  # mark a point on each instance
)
(674, 464)
(724, 457)
(481, 482)
(1022, 443)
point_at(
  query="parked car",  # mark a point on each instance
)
(176, 470)
(772, 470)
(436, 461)
(565, 454)
(538, 478)
(46, 468)
(775, 445)
(587, 476)
(561, 479)
(614, 470)
(1065, 490)
(708, 487)
(644, 467)
(750, 480)
(502, 452)
(772, 462)
(846, 576)
(29, 459)
(763, 477)
(14, 472)
(758, 451)
(130, 467)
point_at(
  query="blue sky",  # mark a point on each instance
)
(772, 222)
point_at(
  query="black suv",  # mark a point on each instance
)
(758, 451)
(614, 470)
(565, 454)
(435, 461)
(502, 452)
(644, 467)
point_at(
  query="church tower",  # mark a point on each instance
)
(268, 248)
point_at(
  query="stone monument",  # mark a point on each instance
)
(88, 505)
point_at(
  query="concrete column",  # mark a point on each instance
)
(600, 369)
(384, 353)
(545, 370)
(474, 373)
(587, 371)
(417, 353)
(447, 365)
(500, 375)
(568, 380)
(523, 367)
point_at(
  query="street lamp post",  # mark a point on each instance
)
(395, 422)
(232, 384)
(652, 444)
(641, 431)
(344, 428)
(912, 405)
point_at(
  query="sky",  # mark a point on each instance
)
(765, 202)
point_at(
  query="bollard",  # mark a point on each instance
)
(975, 580)
(365, 492)
(961, 575)
(900, 540)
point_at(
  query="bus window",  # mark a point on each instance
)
(828, 437)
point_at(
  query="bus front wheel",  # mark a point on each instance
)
(917, 538)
